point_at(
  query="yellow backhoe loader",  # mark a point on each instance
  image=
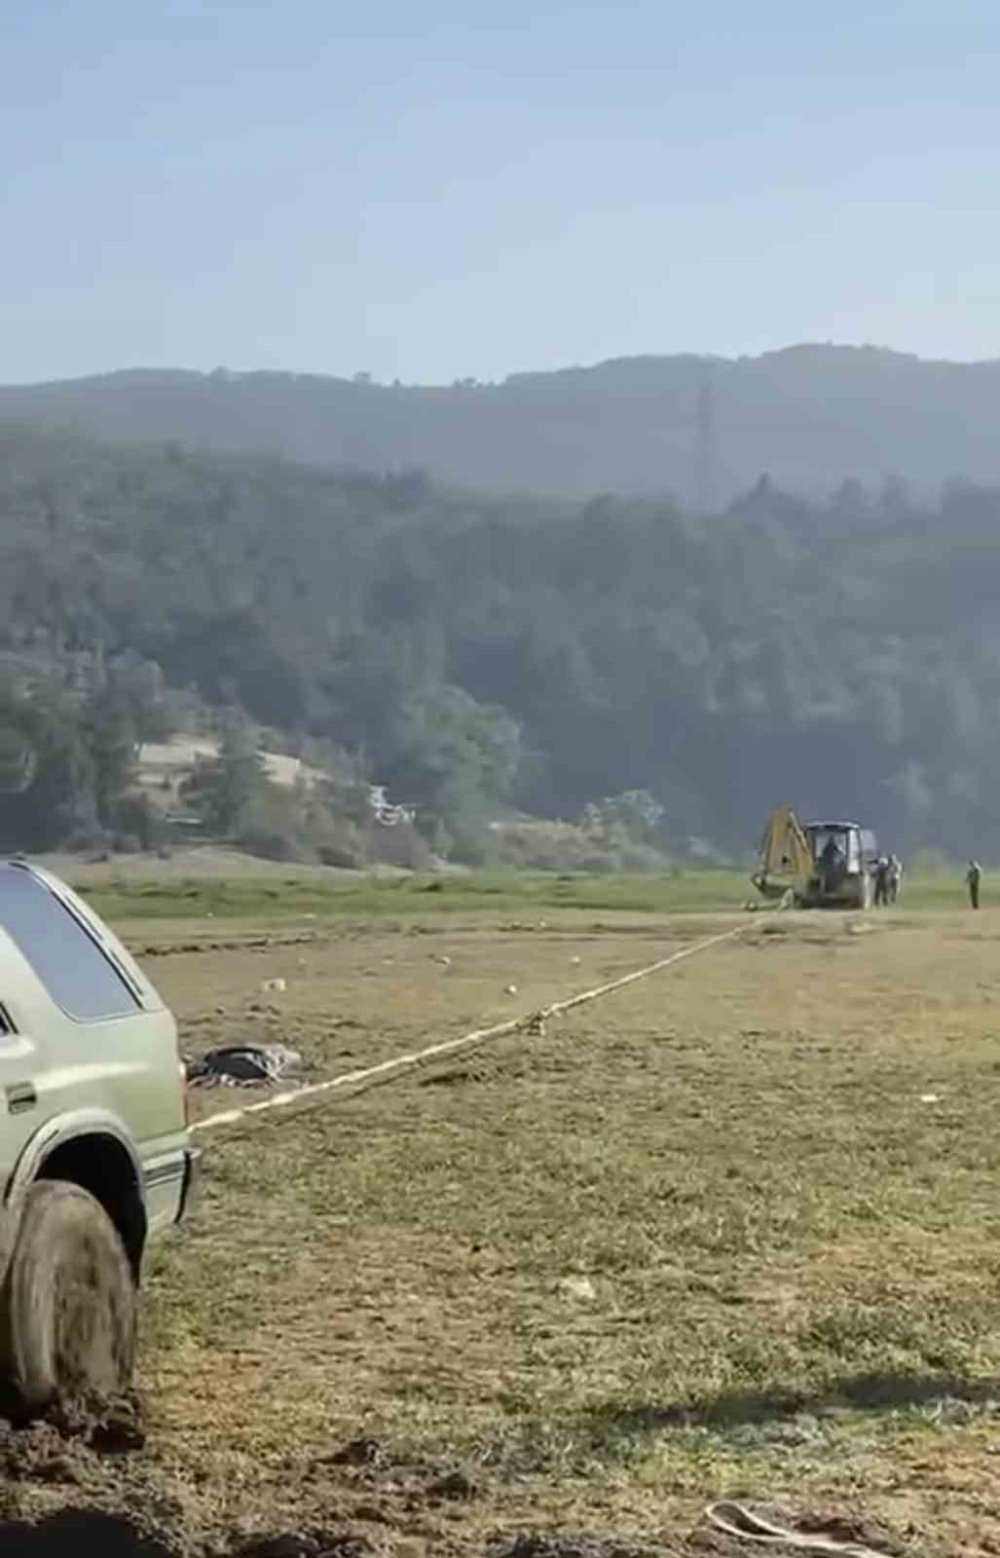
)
(819, 865)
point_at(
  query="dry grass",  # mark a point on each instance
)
(791, 1256)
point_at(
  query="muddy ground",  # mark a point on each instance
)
(356, 1502)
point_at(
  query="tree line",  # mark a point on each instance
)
(484, 655)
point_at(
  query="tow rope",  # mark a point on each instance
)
(531, 1022)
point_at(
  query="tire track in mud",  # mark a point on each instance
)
(163, 949)
(680, 930)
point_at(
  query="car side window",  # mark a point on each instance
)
(74, 969)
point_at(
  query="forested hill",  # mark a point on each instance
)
(479, 651)
(704, 428)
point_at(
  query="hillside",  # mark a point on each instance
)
(481, 655)
(704, 428)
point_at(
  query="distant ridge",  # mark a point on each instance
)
(810, 415)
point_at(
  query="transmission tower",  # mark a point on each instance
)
(705, 453)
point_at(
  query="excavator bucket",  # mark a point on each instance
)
(786, 858)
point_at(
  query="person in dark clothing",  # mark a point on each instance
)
(973, 877)
(881, 882)
(831, 865)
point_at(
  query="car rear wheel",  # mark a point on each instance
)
(68, 1306)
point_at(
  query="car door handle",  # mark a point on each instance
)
(20, 1096)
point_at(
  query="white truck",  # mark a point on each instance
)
(95, 1156)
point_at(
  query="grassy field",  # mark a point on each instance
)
(134, 889)
(730, 1231)
(336, 895)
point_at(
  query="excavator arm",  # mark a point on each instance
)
(786, 857)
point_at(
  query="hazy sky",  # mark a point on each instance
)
(426, 189)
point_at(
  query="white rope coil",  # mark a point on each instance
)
(741, 1521)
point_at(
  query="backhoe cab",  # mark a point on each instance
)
(821, 865)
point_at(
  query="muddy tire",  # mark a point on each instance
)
(68, 1303)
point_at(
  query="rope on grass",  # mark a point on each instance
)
(734, 1519)
(741, 1521)
(532, 1021)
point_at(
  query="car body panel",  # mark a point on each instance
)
(62, 1077)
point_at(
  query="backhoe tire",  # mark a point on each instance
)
(68, 1302)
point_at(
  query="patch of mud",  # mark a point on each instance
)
(79, 1481)
(164, 949)
(62, 1445)
(368, 1464)
(325, 1545)
(83, 1482)
(451, 1078)
(535, 1544)
(71, 1534)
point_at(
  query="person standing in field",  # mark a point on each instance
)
(973, 877)
(881, 882)
(895, 876)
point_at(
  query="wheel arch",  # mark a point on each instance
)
(94, 1152)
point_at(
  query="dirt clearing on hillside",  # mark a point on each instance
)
(731, 1232)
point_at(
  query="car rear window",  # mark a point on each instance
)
(78, 975)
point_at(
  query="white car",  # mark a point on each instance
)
(95, 1155)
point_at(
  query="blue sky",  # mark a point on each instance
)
(429, 189)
